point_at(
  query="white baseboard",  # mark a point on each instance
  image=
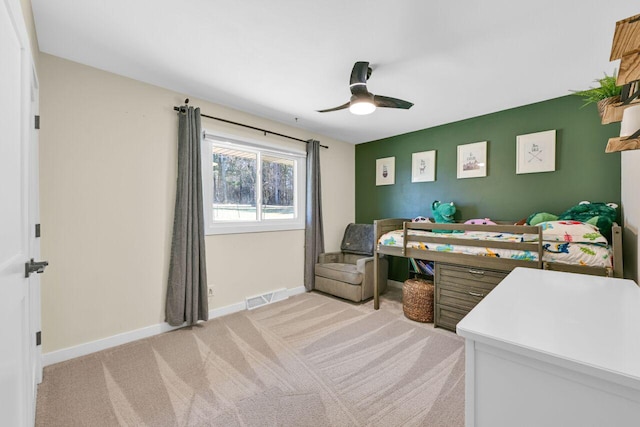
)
(104, 343)
(394, 284)
(296, 291)
(137, 334)
(228, 309)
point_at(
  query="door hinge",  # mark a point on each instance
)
(37, 122)
(38, 337)
(37, 230)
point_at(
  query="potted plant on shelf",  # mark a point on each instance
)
(607, 93)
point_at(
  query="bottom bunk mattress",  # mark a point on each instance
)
(567, 251)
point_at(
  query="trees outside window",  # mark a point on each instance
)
(252, 188)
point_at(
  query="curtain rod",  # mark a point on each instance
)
(247, 126)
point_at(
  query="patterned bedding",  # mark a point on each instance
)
(577, 246)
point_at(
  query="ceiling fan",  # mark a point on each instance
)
(362, 101)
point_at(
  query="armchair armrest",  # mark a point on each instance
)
(361, 264)
(330, 257)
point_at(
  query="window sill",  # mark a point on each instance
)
(238, 228)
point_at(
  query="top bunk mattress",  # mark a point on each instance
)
(563, 248)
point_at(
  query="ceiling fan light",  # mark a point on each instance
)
(361, 107)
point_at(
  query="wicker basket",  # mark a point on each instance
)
(417, 300)
(604, 102)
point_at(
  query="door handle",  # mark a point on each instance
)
(34, 267)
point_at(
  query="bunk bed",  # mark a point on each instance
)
(471, 259)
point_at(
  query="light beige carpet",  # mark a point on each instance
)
(311, 360)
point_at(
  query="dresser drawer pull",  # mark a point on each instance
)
(476, 294)
(478, 272)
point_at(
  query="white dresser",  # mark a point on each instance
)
(546, 348)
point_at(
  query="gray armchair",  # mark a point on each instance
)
(349, 274)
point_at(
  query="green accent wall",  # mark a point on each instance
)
(583, 170)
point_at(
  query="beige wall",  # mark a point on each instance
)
(107, 178)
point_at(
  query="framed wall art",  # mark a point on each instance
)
(536, 152)
(386, 171)
(472, 160)
(423, 166)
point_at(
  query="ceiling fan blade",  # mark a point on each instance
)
(360, 73)
(385, 101)
(359, 76)
(342, 107)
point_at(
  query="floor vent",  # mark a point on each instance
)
(268, 298)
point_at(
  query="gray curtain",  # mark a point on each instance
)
(187, 288)
(314, 234)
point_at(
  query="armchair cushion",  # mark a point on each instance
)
(330, 257)
(347, 273)
(358, 239)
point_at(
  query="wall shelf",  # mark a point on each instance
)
(626, 47)
(629, 69)
(613, 112)
(626, 38)
(622, 144)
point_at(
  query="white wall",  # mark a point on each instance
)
(27, 14)
(631, 212)
(108, 170)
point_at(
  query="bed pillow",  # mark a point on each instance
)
(571, 231)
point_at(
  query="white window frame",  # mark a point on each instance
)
(260, 225)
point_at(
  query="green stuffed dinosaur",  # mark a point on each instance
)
(443, 214)
(601, 215)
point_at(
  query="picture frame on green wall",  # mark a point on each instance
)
(386, 171)
(423, 166)
(472, 160)
(536, 152)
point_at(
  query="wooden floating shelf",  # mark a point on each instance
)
(626, 38)
(618, 144)
(629, 69)
(626, 46)
(613, 112)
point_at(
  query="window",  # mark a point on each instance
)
(249, 187)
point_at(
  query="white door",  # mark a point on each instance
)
(17, 380)
(34, 237)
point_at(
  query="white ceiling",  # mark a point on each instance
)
(284, 59)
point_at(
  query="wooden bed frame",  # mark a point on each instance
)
(383, 226)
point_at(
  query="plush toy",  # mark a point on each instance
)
(421, 219)
(602, 215)
(480, 221)
(443, 214)
(538, 217)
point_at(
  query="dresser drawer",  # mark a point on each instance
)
(464, 299)
(456, 277)
(448, 317)
(458, 289)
